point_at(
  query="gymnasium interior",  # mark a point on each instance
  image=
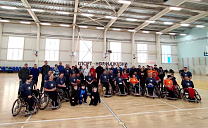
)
(171, 34)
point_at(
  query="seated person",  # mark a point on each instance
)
(186, 73)
(168, 83)
(35, 90)
(135, 83)
(50, 88)
(125, 77)
(89, 80)
(82, 94)
(188, 86)
(111, 80)
(46, 77)
(174, 80)
(60, 82)
(150, 83)
(156, 78)
(120, 83)
(95, 97)
(73, 80)
(26, 92)
(104, 79)
(74, 96)
(73, 71)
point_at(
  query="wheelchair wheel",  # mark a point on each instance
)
(182, 95)
(59, 100)
(17, 106)
(197, 96)
(44, 101)
(62, 94)
(36, 105)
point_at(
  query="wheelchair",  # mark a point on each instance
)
(21, 107)
(102, 91)
(165, 93)
(64, 95)
(184, 94)
(118, 90)
(134, 91)
(155, 94)
(46, 101)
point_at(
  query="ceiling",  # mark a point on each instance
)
(67, 12)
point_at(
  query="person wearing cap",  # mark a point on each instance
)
(56, 72)
(60, 67)
(23, 74)
(44, 71)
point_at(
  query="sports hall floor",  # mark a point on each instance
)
(131, 112)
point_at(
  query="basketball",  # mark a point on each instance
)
(78, 82)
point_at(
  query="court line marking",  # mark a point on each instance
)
(169, 104)
(119, 121)
(26, 121)
(200, 117)
(92, 117)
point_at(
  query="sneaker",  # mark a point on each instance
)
(137, 93)
(85, 102)
(54, 107)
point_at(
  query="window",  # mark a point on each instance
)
(52, 49)
(85, 50)
(166, 54)
(15, 48)
(115, 56)
(142, 53)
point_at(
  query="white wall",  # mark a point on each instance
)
(65, 36)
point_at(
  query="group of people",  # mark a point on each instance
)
(81, 82)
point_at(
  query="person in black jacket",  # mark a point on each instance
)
(44, 71)
(74, 96)
(95, 97)
(133, 69)
(23, 74)
(99, 71)
(161, 75)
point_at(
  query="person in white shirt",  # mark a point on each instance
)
(86, 71)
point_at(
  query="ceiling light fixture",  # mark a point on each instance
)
(200, 26)
(183, 34)
(25, 22)
(185, 25)
(45, 23)
(8, 7)
(159, 33)
(124, 2)
(4, 20)
(37, 10)
(85, 14)
(116, 29)
(172, 33)
(99, 28)
(64, 25)
(150, 21)
(130, 19)
(175, 8)
(145, 31)
(83, 26)
(60, 12)
(132, 30)
(110, 17)
(168, 23)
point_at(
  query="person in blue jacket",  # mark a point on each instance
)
(35, 72)
(82, 94)
(61, 67)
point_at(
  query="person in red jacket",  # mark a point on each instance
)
(125, 77)
(156, 78)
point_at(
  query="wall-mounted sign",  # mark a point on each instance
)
(84, 63)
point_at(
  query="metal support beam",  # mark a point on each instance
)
(158, 49)
(104, 43)
(73, 30)
(37, 45)
(1, 30)
(132, 48)
(158, 15)
(194, 18)
(120, 11)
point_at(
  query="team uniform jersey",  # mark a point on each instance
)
(142, 76)
(183, 74)
(73, 79)
(134, 81)
(125, 76)
(168, 83)
(50, 84)
(60, 81)
(186, 84)
(111, 77)
(67, 72)
(137, 77)
(150, 81)
(89, 78)
(174, 81)
(73, 71)
(104, 78)
(119, 80)
(26, 89)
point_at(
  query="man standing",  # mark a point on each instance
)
(61, 67)
(76, 69)
(67, 71)
(86, 71)
(133, 69)
(99, 71)
(35, 72)
(44, 71)
(23, 74)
